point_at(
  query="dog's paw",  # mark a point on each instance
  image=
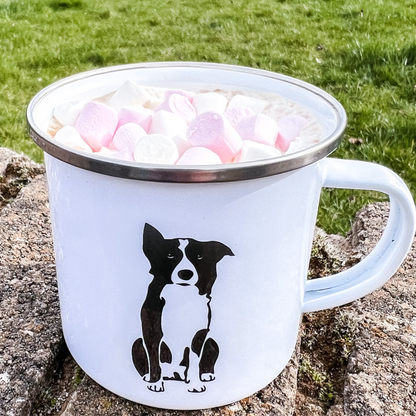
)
(207, 377)
(196, 388)
(157, 387)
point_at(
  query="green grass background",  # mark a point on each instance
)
(363, 53)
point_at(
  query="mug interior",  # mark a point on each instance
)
(194, 76)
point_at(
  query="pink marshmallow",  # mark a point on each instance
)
(187, 94)
(138, 114)
(258, 128)
(213, 131)
(127, 136)
(199, 156)
(236, 114)
(289, 128)
(180, 106)
(96, 124)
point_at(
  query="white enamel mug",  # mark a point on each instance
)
(183, 287)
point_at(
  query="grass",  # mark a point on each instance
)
(364, 54)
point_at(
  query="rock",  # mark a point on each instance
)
(330, 254)
(377, 333)
(16, 171)
(30, 334)
(381, 373)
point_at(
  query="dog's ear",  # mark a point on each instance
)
(221, 250)
(152, 239)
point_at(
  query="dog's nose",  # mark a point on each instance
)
(185, 274)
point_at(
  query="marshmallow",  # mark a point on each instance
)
(253, 103)
(129, 94)
(213, 131)
(294, 146)
(69, 135)
(180, 106)
(199, 156)
(256, 151)
(187, 94)
(105, 151)
(138, 114)
(68, 113)
(96, 124)
(127, 136)
(289, 128)
(167, 124)
(236, 114)
(157, 149)
(210, 101)
(258, 128)
(124, 154)
(182, 144)
(157, 96)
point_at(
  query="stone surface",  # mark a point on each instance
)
(30, 334)
(381, 373)
(377, 333)
(16, 171)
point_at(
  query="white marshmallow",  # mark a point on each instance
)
(210, 101)
(294, 146)
(124, 154)
(69, 135)
(156, 148)
(256, 151)
(182, 144)
(127, 136)
(104, 151)
(157, 96)
(259, 128)
(129, 94)
(253, 103)
(168, 124)
(199, 156)
(68, 113)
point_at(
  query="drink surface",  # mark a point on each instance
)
(191, 126)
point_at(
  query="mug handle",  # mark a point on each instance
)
(383, 261)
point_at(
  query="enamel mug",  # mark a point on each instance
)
(182, 287)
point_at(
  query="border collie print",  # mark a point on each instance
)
(176, 313)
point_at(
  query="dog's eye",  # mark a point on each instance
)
(170, 256)
(199, 257)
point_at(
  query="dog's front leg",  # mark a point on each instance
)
(154, 377)
(152, 336)
(194, 381)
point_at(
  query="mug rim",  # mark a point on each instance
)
(188, 174)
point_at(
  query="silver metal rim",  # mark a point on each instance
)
(191, 174)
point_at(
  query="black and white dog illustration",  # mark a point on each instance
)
(176, 313)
